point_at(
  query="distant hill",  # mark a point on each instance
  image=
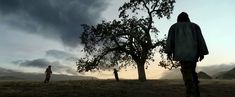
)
(227, 75)
(10, 78)
(6, 74)
(203, 75)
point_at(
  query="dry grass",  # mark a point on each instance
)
(111, 88)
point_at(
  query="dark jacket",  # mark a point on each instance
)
(185, 42)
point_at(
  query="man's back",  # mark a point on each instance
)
(185, 40)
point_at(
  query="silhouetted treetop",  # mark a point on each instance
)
(129, 41)
(153, 7)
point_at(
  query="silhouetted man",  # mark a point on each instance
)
(115, 72)
(187, 45)
(48, 73)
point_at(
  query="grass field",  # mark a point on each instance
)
(111, 88)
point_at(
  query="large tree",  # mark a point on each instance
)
(128, 41)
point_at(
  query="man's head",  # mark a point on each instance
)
(183, 17)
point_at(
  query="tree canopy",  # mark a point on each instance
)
(129, 41)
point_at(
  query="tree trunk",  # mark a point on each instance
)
(141, 71)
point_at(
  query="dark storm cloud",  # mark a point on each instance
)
(40, 63)
(59, 54)
(65, 16)
(43, 63)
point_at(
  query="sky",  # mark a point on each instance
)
(35, 33)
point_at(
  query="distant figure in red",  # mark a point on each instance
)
(48, 73)
(186, 44)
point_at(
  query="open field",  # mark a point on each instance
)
(111, 88)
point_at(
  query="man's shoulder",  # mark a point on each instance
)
(186, 23)
(174, 25)
(194, 24)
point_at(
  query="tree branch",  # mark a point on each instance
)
(149, 24)
(159, 43)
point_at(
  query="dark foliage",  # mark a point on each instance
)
(128, 41)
